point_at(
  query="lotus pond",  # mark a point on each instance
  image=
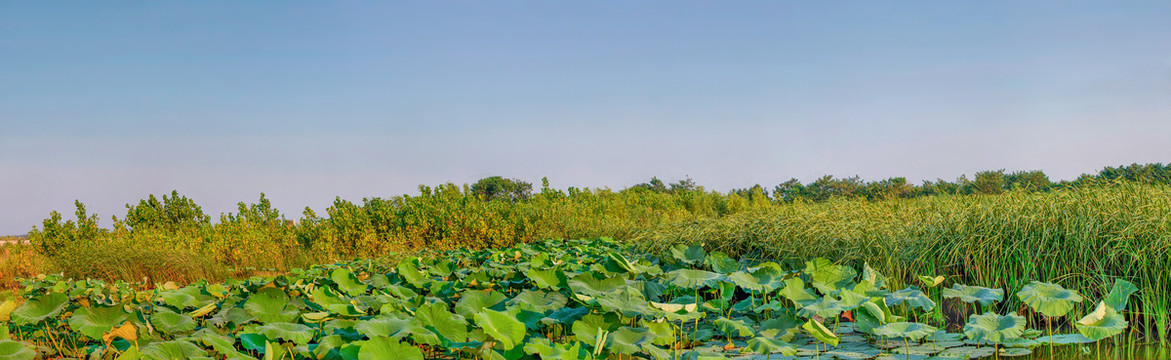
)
(577, 299)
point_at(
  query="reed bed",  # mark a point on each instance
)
(1080, 238)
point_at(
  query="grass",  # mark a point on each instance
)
(1082, 239)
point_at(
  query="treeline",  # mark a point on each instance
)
(174, 233)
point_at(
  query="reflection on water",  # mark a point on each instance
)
(1089, 352)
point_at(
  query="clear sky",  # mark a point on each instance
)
(108, 102)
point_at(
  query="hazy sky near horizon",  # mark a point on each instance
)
(306, 101)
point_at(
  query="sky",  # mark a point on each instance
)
(109, 102)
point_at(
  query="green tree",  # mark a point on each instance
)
(499, 188)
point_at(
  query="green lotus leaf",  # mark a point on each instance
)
(588, 329)
(931, 281)
(97, 320)
(627, 340)
(1104, 322)
(626, 301)
(40, 308)
(169, 322)
(271, 305)
(221, 343)
(188, 297)
(826, 307)
(15, 350)
(234, 315)
(411, 273)
(850, 300)
(551, 279)
(912, 297)
(333, 301)
(617, 263)
(1048, 298)
(593, 283)
(691, 278)
(1120, 294)
(436, 316)
(690, 255)
(297, 333)
(551, 351)
(764, 279)
(6, 308)
(783, 327)
(472, 301)
(539, 301)
(820, 332)
(869, 274)
(347, 283)
(909, 330)
(442, 268)
(390, 326)
(380, 348)
(721, 263)
(733, 328)
(870, 316)
(794, 290)
(764, 345)
(828, 277)
(172, 350)
(501, 326)
(969, 294)
(994, 327)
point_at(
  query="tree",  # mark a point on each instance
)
(1035, 180)
(499, 188)
(789, 191)
(987, 182)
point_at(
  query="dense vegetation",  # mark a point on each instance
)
(579, 300)
(997, 230)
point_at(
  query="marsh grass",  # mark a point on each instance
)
(1082, 239)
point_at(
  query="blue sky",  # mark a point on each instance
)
(306, 101)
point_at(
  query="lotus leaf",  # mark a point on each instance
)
(994, 327)
(501, 326)
(720, 262)
(968, 294)
(471, 302)
(97, 320)
(347, 283)
(169, 322)
(1104, 322)
(540, 301)
(410, 272)
(909, 330)
(690, 255)
(297, 333)
(40, 308)
(627, 340)
(691, 278)
(764, 345)
(437, 317)
(379, 348)
(1120, 294)
(912, 297)
(172, 350)
(551, 279)
(6, 308)
(271, 305)
(1048, 298)
(794, 290)
(14, 350)
(593, 283)
(827, 276)
(820, 332)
